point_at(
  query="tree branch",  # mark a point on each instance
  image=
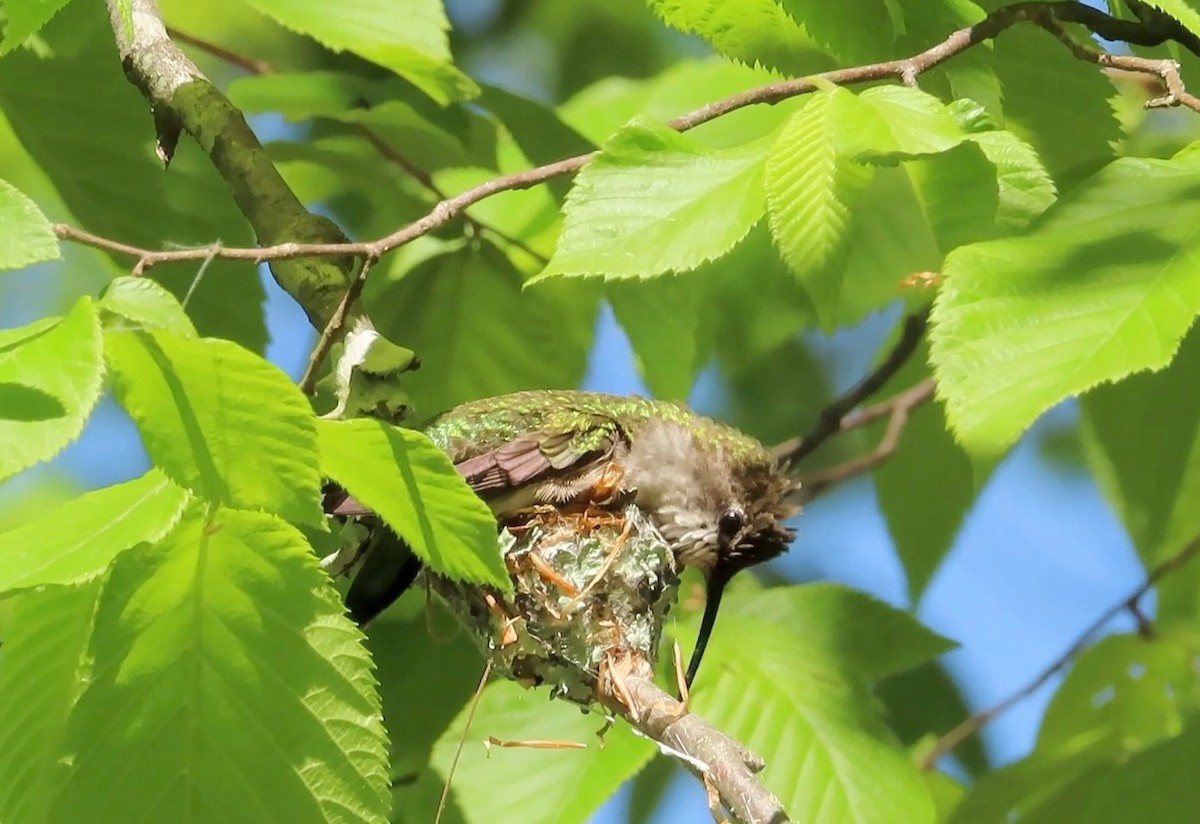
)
(385, 149)
(976, 721)
(158, 68)
(897, 409)
(705, 751)
(183, 98)
(832, 419)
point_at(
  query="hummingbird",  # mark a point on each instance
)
(717, 496)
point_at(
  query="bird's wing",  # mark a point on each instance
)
(534, 456)
(538, 456)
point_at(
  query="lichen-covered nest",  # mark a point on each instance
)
(591, 594)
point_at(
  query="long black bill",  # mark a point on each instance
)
(717, 579)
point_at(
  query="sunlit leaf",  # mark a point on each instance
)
(105, 170)
(788, 673)
(42, 673)
(1102, 286)
(79, 539)
(812, 189)
(25, 234)
(654, 201)
(412, 42)
(855, 30)
(890, 122)
(130, 302)
(24, 18)
(752, 31)
(478, 333)
(223, 654)
(411, 483)
(51, 373)
(220, 421)
(559, 786)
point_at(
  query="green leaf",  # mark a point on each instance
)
(1014, 791)
(25, 234)
(959, 195)
(51, 373)
(888, 123)
(79, 539)
(1142, 441)
(925, 702)
(970, 74)
(888, 238)
(758, 306)
(24, 18)
(223, 654)
(1085, 784)
(654, 201)
(1124, 694)
(220, 421)
(537, 129)
(788, 673)
(1025, 187)
(1101, 287)
(41, 675)
(1158, 785)
(603, 108)
(411, 484)
(855, 30)
(412, 42)
(429, 142)
(112, 183)
(522, 784)
(752, 31)
(661, 318)
(812, 190)
(1182, 10)
(927, 486)
(1061, 107)
(425, 677)
(141, 303)
(299, 95)
(477, 332)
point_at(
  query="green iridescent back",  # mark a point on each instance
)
(484, 425)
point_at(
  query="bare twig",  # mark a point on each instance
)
(831, 419)
(483, 679)
(905, 70)
(251, 65)
(1165, 69)
(897, 409)
(723, 764)
(385, 149)
(333, 330)
(976, 721)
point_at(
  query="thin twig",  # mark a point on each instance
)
(250, 64)
(483, 679)
(388, 152)
(830, 421)
(976, 721)
(904, 70)
(1166, 69)
(385, 149)
(897, 409)
(333, 330)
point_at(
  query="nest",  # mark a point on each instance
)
(591, 593)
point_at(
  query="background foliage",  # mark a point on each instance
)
(173, 651)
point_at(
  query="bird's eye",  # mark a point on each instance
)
(731, 521)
